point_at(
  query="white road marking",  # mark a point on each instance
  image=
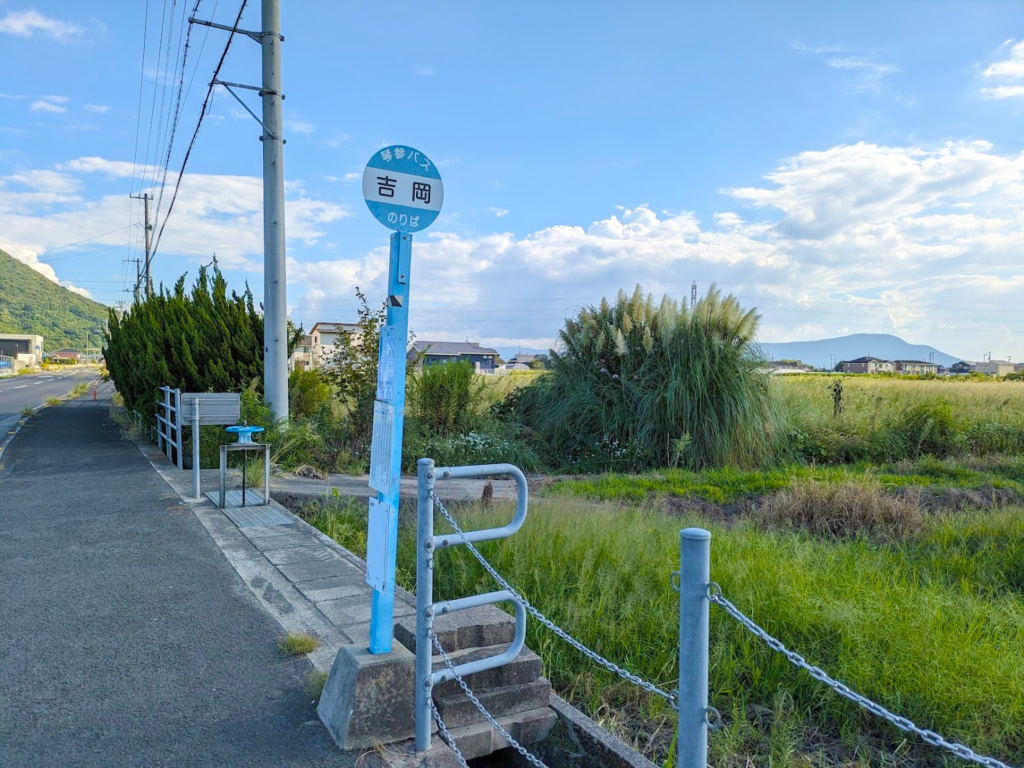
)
(21, 387)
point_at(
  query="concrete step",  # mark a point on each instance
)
(457, 710)
(475, 628)
(524, 669)
(527, 728)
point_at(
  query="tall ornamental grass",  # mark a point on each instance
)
(642, 385)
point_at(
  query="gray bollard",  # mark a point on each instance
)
(694, 575)
(424, 602)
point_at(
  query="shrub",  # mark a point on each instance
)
(487, 446)
(929, 428)
(444, 396)
(640, 385)
(307, 392)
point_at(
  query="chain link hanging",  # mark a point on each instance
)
(483, 710)
(930, 737)
(592, 655)
(446, 734)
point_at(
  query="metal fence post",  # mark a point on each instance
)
(694, 575)
(424, 600)
(177, 427)
(196, 491)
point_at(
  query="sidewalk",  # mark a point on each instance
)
(127, 638)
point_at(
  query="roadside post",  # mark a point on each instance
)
(403, 191)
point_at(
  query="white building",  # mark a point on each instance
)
(322, 339)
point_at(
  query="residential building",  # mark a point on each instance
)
(867, 365)
(64, 356)
(915, 367)
(995, 367)
(521, 359)
(484, 359)
(25, 347)
(961, 368)
(322, 339)
(302, 356)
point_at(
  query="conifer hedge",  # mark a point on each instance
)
(201, 341)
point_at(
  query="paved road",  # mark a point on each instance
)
(33, 389)
(126, 638)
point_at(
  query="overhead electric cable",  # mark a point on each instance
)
(195, 134)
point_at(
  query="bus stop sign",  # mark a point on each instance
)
(403, 189)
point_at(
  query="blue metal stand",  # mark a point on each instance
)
(396, 333)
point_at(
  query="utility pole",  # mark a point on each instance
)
(275, 298)
(693, 294)
(145, 198)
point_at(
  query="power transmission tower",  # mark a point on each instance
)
(693, 294)
(145, 198)
(275, 300)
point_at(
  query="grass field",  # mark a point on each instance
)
(885, 418)
(930, 625)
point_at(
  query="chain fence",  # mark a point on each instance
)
(929, 737)
(483, 711)
(590, 654)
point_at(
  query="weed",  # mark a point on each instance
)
(54, 401)
(27, 411)
(315, 682)
(298, 643)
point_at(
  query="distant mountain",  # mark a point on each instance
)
(825, 353)
(30, 303)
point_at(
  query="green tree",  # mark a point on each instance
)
(202, 341)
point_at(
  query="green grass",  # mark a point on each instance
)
(723, 486)
(315, 682)
(52, 401)
(931, 626)
(298, 643)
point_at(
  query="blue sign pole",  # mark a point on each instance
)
(393, 338)
(403, 190)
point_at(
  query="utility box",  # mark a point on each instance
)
(215, 408)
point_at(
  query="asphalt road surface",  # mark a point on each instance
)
(32, 389)
(126, 637)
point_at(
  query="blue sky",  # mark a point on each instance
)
(844, 167)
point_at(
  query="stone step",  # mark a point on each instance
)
(474, 628)
(524, 669)
(457, 710)
(527, 728)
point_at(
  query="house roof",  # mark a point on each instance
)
(64, 353)
(334, 327)
(914, 362)
(523, 357)
(451, 348)
(868, 359)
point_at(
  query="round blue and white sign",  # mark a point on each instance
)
(403, 188)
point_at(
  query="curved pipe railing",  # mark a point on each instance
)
(426, 609)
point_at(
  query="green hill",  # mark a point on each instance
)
(29, 303)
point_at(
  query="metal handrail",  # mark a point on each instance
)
(427, 609)
(164, 440)
(488, 534)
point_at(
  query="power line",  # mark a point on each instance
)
(79, 242)
(157, 78)
(85, 253)
(195, 134)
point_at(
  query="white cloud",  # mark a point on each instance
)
(298, 125)
(76, 289)
(57, 99)
(869, 73)
(213, 213)
(98, 108)
(1011, 67)
(424, 71)
(46, 106)
(919, 241)
(499, 212)
(29, 23)
(1003, 92)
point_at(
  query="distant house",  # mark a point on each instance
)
(961, 368)
(302, 356)
(484, 359)
(867, 365)
(322, 338)
(915, 367)
(521, 359)
(64, 356)
(995, 367)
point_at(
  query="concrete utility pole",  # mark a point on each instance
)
(145, 198)
(275, 301)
